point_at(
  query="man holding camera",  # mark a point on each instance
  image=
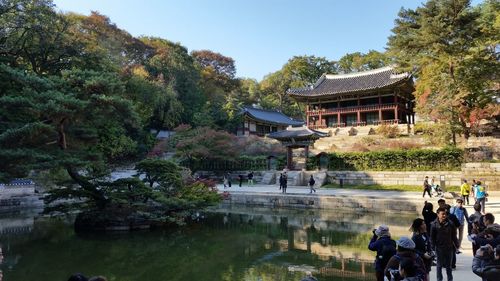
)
(444, 241)
(385, 247)
(486, 263)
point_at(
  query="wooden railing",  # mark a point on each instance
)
(353, 109)
(387, 122)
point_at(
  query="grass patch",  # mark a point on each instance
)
(388, 187)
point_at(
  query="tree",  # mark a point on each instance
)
(355, 62)
(299, 71)
(452, 48)
(172, 65)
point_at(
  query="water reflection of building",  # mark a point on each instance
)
(337, 241)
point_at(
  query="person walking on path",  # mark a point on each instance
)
(281, 181)
(427, 187)
(250, 178)
(463, 217)
(385, 247)
(285, 183)
(443, 241)
(225, 181)
(465, 191)
(422, 243)
(481, 196)
(311, 184)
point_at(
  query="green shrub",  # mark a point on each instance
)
(388, 131)
(449, 159)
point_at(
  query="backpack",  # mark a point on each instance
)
(387, 252)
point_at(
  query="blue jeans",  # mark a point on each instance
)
(444, 258)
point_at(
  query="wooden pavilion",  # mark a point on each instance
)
(374, 97)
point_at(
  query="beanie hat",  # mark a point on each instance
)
(405, 242)
(382, 231)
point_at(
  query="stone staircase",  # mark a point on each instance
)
(269, 178)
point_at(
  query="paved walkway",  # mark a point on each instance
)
(464, 260)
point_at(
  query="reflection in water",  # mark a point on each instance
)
(228, 243)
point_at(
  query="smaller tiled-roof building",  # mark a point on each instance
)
(379, 96)
(261, 122)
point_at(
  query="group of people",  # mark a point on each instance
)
(226, 180)
(478, 191)
(431, 187)
(437, 239)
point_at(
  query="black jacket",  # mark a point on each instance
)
(443, 235)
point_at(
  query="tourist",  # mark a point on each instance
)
(428, 214)
(453, 218)
(427, 187)
(285, 182)
(407, 270)
(281, 180)
(486, 263)
(476, 226)
(465, 191)
(250, 178)
(480, 195)
(422, 243)
(461, 213)
(311, 184)
(240, 178)
(490, 234)
(228, 176)
(406, 249)
(309, 277)
(77, 277)
(385, 247)
(442, 203)
(224, 181)
(473, 189)
(443, 241)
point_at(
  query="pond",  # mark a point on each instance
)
(225, 243)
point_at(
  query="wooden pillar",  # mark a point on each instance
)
(289, 156)
(320, 117)
(338, 119)
(380, 116)
(396, 113)
(306, 152)
(359, 117)
(308, 108)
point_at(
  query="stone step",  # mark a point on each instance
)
(268, 178)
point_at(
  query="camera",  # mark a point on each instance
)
(395, 274)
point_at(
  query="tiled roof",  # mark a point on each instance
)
(270, 116)
(352, 82)
(299, 132)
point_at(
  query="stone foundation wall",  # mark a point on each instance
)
(360, 203)
(393, 178)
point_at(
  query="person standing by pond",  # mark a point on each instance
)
(250, 178)
(428, 214)
(285, 182)
(311, 184)
(281, 180)
(443, 241)
(240, 178)
(385, 247)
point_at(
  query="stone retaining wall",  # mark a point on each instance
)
(360, 203)
(393, 178)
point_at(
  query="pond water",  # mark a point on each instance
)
(226, 243)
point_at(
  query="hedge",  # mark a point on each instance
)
(244, 163)
(447, 159)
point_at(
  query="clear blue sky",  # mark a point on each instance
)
(260, 35)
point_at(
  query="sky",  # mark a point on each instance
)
(260, 35)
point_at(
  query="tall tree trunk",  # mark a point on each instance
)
(62, 135)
